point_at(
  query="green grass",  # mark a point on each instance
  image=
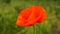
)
(9, 10)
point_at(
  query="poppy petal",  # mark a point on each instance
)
(31, 16)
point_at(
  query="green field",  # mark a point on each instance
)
(9, 10)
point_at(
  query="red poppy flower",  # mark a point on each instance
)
(31, 16)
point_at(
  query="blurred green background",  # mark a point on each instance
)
(9, 10)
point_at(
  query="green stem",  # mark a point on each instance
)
(34, 27)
